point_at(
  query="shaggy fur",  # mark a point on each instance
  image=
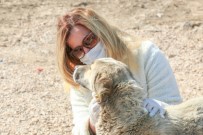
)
(121, 98)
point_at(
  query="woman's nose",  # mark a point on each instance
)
(86, 50)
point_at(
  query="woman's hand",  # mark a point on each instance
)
(94, 109)
(154, 106)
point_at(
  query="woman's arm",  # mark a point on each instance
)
(161, 82)
(79, 103)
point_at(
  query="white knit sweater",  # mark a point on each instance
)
(155, 76)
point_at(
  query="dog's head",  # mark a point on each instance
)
(102, 76)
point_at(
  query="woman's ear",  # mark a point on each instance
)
(103, 87)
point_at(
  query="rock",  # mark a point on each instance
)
(171, 55)
(3, 45)
(80, 4)
(159, 15)
(191, 25)
(142, 6)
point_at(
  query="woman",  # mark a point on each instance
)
(84, 36)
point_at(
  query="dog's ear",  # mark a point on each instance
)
(103, 86)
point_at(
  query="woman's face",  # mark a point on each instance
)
(77, 34)
(81, 40)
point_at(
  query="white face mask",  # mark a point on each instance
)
(95, 53)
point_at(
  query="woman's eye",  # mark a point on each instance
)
(88, 41)
(77, 49)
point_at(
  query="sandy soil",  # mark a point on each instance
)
(33, 101)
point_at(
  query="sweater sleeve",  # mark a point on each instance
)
(80, 112)
(160, 80)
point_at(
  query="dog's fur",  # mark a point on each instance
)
(120, 98)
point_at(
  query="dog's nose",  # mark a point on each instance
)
(76, 67)
(75, 74)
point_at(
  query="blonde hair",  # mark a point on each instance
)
(115, 45)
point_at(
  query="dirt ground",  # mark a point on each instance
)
(33, 101)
